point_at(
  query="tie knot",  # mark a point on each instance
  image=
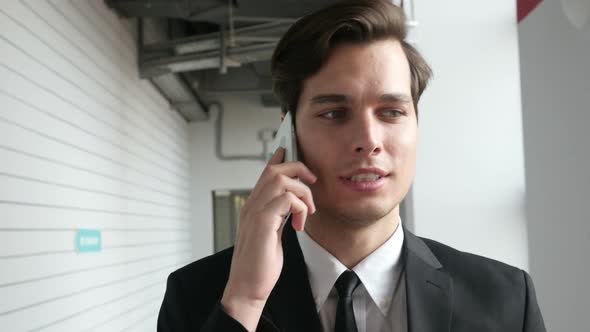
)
(347, 283)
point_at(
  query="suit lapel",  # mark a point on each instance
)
(291, 306)
(429, 288)
(429, 291)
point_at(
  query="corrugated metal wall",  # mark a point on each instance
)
(84, 144)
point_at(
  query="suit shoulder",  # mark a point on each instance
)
(207, 269)
(472, 266)
(487, 291)
(194, 290)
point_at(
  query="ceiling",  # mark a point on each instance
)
(195, 51)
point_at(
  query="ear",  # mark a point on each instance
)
(282, 116)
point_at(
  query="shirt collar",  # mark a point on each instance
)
(323, 269)
(379, 272)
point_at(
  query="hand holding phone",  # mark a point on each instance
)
(258, 254)
(285, 138)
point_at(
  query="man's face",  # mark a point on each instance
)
(357, 131)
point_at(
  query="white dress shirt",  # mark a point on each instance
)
(379, 303)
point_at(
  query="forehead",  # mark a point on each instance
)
(361, 70)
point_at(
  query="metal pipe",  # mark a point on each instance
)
(285, 20)
(231, 23)
(219, 139)
(222, 52)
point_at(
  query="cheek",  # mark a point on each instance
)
(311, 148)
(318, 153)
(408, 143)
(409, 134)
(402, 149)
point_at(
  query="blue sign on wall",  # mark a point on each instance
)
(88, 240)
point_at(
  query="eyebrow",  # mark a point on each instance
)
(329, 98)
(338, 98)
(396, 98)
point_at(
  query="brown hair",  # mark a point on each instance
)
(305, 47)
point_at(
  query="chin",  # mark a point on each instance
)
(362, 215)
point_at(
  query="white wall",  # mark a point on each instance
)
(469, 190)
(555, 63)
(243, 117)
(84, 144)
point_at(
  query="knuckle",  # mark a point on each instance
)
(304, 208)
(279, 180)
(289, 195)
(269, 170)
(307, 191)
(301, 166)
(274, 169)
(296, 201)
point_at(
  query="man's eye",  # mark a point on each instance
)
(392, 113)
(333, 114)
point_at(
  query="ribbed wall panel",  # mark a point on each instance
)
(85, 144)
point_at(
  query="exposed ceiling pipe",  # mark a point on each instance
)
(265, 135)
(177, 91)
(248, 35)
(251, 43)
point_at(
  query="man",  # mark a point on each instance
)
(344, 262)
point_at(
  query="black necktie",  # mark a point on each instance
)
(345, 285)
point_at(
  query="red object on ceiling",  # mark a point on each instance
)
(525, 7)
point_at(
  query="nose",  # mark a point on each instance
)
(366, 135)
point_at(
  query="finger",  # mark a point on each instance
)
(277, 157)
(282, 205)
(293, 170)
(299, 217)
(281, 184)
(298, 221)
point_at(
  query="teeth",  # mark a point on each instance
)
(365, 177)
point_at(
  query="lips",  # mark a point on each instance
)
(366, 174)
(365, 179)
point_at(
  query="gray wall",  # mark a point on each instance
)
(555, 71)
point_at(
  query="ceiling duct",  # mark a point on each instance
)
(201, 41)
(243, 34)
(184, 9)
(253, 41)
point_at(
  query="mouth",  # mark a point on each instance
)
(365, 179)
(365, 175)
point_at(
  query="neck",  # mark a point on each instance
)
(351, 243)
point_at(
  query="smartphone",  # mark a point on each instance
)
(286, 138)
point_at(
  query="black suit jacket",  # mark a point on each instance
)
(447, 290)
